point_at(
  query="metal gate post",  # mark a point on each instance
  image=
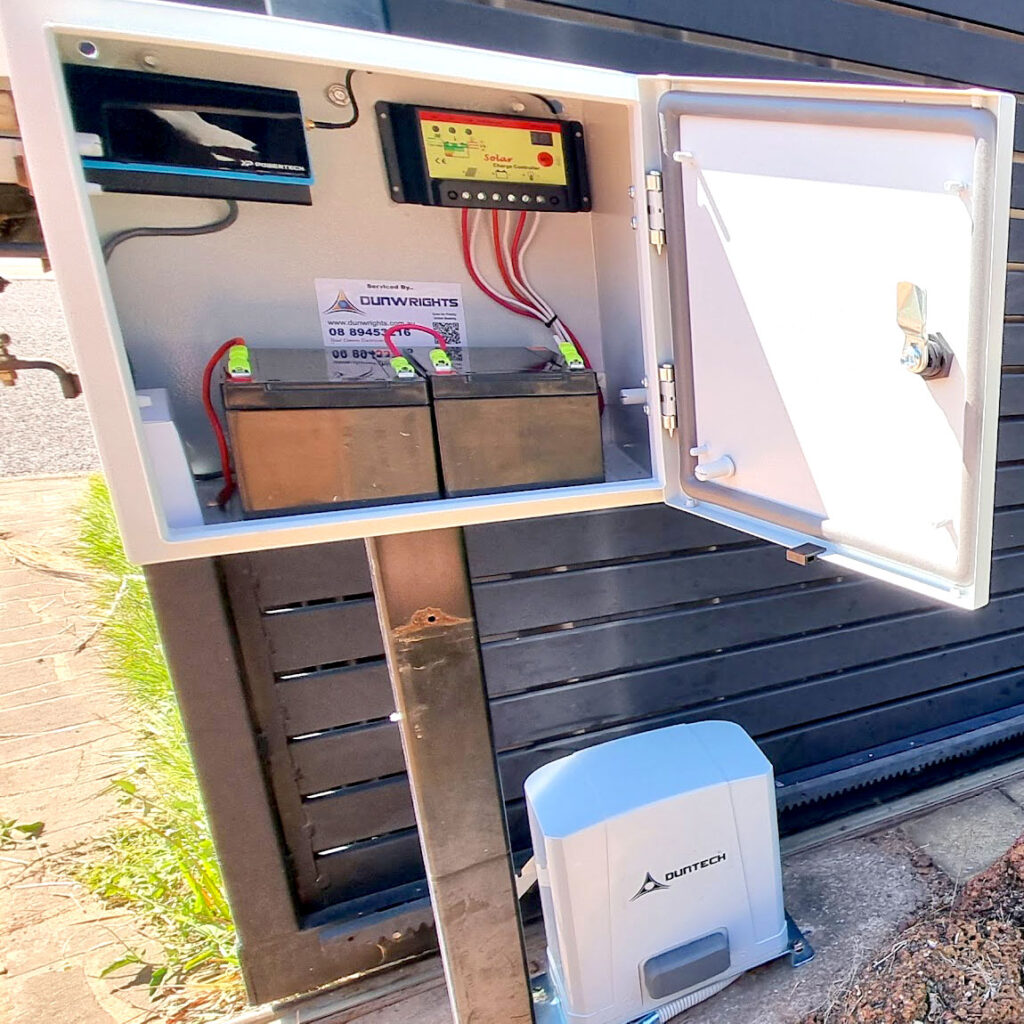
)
(425, 605)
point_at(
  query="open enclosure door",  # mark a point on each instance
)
(836, 263)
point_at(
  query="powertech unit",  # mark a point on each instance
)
(657, 859)
(304, 439)
(140, 131)
(514, 418)
(770, 286)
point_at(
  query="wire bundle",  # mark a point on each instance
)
(523, 299)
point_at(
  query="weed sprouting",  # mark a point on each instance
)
(160, 862)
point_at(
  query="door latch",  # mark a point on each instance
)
(655, 210)
(927, 355)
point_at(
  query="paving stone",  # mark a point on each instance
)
(38, 997)
(1014, 790)
(81, 805)
(45, 773)
(62, 739)
(27, 673)
(967, 837)
(57, 713)
(17, 750)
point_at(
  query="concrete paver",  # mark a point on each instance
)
(38, 995)
(61, 741)
(967, 837)
(1014, 789)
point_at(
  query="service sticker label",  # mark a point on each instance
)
(355, 314)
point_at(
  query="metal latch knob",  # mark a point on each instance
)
(928, 356)
(716, 469)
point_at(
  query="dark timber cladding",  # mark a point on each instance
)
(605, 623)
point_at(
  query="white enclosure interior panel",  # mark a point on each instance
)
(798, 225)
(815, 409)
(153, 317)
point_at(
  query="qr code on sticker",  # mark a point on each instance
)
(449, 331)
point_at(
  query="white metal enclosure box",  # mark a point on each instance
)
(791, 293)
(658, 864)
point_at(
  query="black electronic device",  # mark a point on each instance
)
(465, 158)
(303, 437)
(164, 135)
(514, 418)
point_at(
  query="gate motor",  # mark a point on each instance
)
(657, 858)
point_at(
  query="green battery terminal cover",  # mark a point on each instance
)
(441, 362)
(239, 366)
(402, 367)
(571, 355)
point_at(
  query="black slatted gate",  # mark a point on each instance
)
(601, 624)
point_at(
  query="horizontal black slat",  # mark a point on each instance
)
(311, 573)
(365, 868)
(350, 756)
(867, 688)
(1013, 343)
(1007, 14)
(1015, 293)
(1011, 394)
(360, 812)
(1008, 531)
(1007, 572)
(624, 49)
(508, 605)
(533, 717)
(347, 756)
(1015, 252)
(527, 662)
(525, 545)
(1017, 181)
(323, 634)
(886, 37)
(346, 817)
(364, 14)
(335, 697)
(881, 725)
(1011, 440)
(1009, 486)
(251, 6)
(804, 745)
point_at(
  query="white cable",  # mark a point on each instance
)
(545, 312)
(494, 293)
(536, 299)
(521, 279)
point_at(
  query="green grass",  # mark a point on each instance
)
(161, 864)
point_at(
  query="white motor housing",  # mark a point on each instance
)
(658, 863)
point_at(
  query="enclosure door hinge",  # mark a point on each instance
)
(655, 210)
(667, 396)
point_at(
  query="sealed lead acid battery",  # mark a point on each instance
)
(514, 419)
(303, 439)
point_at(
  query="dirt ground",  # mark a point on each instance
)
(962, 960)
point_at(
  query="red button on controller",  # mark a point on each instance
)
(545, 159)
